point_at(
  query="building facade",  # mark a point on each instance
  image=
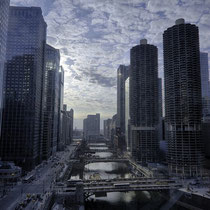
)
(160, 112)
(91, 127)
(4, 16)
(67, 125)
(122, 75)
(144, 102)
(183, 105)
(60, 106)
(51, 101)
(22, 129)
(205, 88)
(107, 129)
(127, 115)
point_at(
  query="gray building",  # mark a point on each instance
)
(91, 127)
(60, 106)
(107, 129)
(4, 15)
(127, 114)
(67, 125)
(22, 127)
(51, 101)
(144, 102)
(183, 104)
(160, 106)
(205, 88)
(122, 75)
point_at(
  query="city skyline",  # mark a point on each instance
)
(94, 38)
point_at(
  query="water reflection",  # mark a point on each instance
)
(108, 170)
(103, 154)
(99, 148)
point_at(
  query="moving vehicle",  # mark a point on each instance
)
(29, 178)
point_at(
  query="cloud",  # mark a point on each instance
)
(95, 36)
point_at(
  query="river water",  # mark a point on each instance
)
(146, 200)
(117, 200)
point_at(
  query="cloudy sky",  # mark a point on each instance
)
(95, 36)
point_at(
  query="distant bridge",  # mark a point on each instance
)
(123, 186)
(98, 150)
(96, 160)
(97, 145)
(99, 141)
(140, 169)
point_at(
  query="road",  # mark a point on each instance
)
(45, 175)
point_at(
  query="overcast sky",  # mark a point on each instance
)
(95, 36)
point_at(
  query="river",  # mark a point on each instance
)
(146, 200)
(117, 200)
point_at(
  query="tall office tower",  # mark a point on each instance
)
(21, 140)
(183, 105)
(71, 116)
(4, 15)
(51, 101)
(160, 106)
(67, 125)
(127, 114)
(144, 101)
(91, 127)
(122, 75)
(205, 88)
(107, 129)
(60, 106)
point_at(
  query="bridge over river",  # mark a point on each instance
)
(119, 185)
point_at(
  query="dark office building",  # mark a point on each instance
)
(67, 126)
(107, 129)
(183, 105)
(91, 127)
(60, 107)
(144, 115)
(51, 101)
(21, 140)
(160, 112)
(122, 75)
(4, 16)
(205, 88)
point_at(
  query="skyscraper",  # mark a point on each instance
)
(67, 125)
(91, 127)
(60, 105)
(122, 75)
(205, 88)
(127, 114)
(51, 101)
(183, 105)
(160, 102)
(21, 140)
(107, 129)
(144, 101)
(4, 15)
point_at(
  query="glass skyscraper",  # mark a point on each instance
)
(60, 106)
(205, 88)
(4, 15)
(122, 75)
(183, 105)
(51, 101)
(21, 140)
